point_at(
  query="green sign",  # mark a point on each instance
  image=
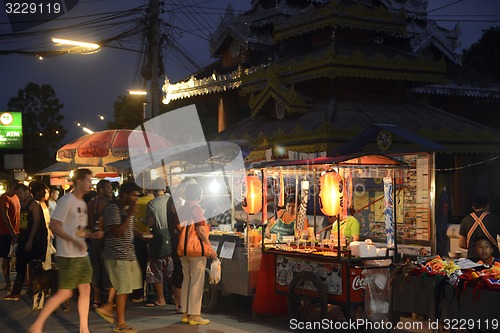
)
(11, 130)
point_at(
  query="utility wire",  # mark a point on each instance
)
(469, 21)
(198, 13)
(111, 16)
(469, 165)
(194, 22)
(445, 6)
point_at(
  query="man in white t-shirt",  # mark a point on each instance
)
(68, 223)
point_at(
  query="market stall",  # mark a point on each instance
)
(304, 261)
(459, 294)
(316, 273)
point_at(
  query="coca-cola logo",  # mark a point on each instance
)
(358, 282)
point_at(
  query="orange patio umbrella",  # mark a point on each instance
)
(101, 148)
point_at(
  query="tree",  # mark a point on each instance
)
(42, 123)
(128, 112)
(484, 56)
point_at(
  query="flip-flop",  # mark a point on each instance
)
(154, 304)
(106, 317)
(138, 300)
(124, 329)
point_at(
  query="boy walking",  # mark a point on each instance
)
(68, 223)
(119, 255)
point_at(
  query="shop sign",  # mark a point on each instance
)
(11, 130)
(227, 250)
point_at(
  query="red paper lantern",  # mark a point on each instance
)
(251, 194)
(331, 193)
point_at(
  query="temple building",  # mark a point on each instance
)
(301, 79)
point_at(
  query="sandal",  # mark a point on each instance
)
(125, 329)
(105, 316)
(138, 300)
(154, 304)
(11, 297)
(199, 321)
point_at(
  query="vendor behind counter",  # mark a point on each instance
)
(349, 227)
(284, 224)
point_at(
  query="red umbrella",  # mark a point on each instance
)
(100, 148)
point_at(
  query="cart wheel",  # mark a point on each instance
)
(210, 295)
(307, 298)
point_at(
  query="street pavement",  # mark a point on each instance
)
(233, 314)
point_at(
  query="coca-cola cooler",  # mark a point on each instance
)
(352, 292)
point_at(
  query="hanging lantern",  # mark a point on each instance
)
(331, 193)
(251, 194)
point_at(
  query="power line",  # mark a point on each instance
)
(202, 17)
(468, 21)
(464, 15)
(78, 17)
(445, 6)
(469, 165)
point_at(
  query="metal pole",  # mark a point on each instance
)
(155, 55)
(432, 201)
(395, 199)
(315, 187)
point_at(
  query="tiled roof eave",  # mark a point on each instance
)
(458, 90)
(334, 14)
(390, 28)
(257, 82)
(203, 86)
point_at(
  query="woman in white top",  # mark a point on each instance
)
(47, 264)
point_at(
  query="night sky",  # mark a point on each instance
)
(88, 85)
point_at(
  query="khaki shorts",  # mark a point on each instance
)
(124, 275)
(73, 272)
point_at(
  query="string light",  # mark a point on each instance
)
(468, 165)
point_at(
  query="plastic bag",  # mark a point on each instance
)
(215, 272)
(377, 294)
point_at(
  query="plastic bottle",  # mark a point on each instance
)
(259, 233)
(251, 236)
(255, 237)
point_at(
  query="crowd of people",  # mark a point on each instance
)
(106, 248)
